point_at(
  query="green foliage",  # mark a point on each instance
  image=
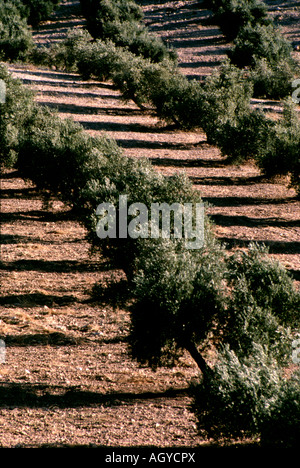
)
(243, 305)
(139, 181)
(257, 42)
(80, 54)
(15, 37)
(159, 85)
(137, 38)
(100, 12)
(120, 22)
(13, 113)
(128, 77)
(177, 298)
(18, 6)
(269, 283)
(243, 300)
(262, 305)
(233, 15)
(39, 10)
(220, 105)
(246, 395)
(233, 402)
(282, 154)
(281, 427)
(34, 11)
(174, 98)
(99, 59)
(59, 156)
(227, 99)
(248, 137)
(272, 81)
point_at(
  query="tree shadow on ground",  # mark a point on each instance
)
(42, 339)
(43, 396)
(247, 201)
(40, 215)
(54, 266)
(24, 193)
(115, 293)
(36, 300)
(17, 239)
(227, 220)
(274, 247)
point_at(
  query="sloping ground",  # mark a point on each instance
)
(67, 379)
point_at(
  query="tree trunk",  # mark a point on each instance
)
(191, 347)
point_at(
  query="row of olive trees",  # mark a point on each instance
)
(121, 22)
(235, 315)
(182, 299)
(257, 44)
(16, 19)
(221, 106)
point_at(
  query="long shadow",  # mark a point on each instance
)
(42, 339)
(200, 64)
(126, 128)
(226, 220)
(194, 76)
(54, 24)
(56, 339)
(172, 162)
(185, 19)
(36, 215)
(83, 109)
(212, 32)
(227, 181)
(12, 239)
(195, 4)
(220, 51)
(275, 247)
(294, 273)
(25, 193)
(16, 395)
(62, 84)
(9, 175)
(36, 300)
(200, 42)
(133, 143)
(282, 5)
(77, 94)
(53, 266)
(247, 201)
(175, 24)
(173, 14)
(203, 42)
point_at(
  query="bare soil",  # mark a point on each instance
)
(68, 380)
